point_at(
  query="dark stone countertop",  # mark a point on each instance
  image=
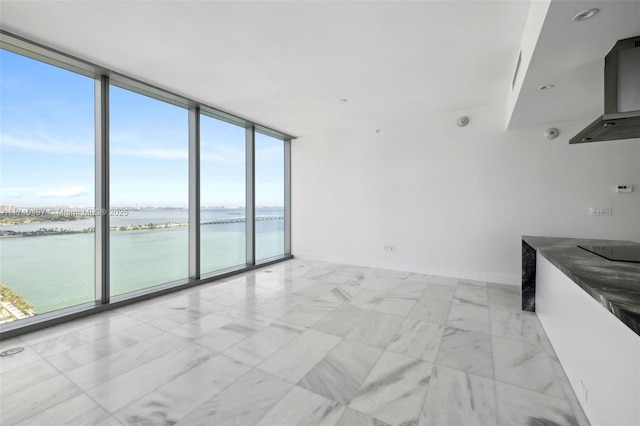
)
(615, 285)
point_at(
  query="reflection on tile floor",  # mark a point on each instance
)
(296, 343)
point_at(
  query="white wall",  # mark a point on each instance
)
(455, 201)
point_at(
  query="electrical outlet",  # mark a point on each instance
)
(600, 211)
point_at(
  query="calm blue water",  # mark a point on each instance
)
(56, 271)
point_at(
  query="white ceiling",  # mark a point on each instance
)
(285, 64)
(570, 55)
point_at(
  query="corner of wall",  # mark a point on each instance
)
(638, 189)
(535, 20)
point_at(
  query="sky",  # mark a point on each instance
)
(47, 146)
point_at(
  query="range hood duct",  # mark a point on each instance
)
(621, 119)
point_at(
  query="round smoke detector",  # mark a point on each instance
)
(551, 133)
(585, 14)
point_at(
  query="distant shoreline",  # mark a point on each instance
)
(149, 226)
(13, 219)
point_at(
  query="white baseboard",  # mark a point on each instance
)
(498, 278)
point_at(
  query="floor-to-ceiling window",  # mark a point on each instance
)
(100, 176)
(46, 187)
(149, 183)
(222, 194)
(269, 196)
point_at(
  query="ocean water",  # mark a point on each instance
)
(56, 271)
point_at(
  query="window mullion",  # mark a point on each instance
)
(102, 189)
(250, 195)
(194, 193)
(287, 196)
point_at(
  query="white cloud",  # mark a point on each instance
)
(132, 145)
(10, 192)
(72, 191)
(46, 144)
(158, 154)
(223, 154)
(218, 153)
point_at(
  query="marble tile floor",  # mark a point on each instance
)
(296, 343)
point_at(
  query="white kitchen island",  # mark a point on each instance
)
(587, 306)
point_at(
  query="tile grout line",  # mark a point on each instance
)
(303, 329)
(279, 399)
(251, 369)
(61, 373)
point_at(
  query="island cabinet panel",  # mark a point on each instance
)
(600, 354)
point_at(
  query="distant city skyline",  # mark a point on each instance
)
(9, 207)
(47, 146)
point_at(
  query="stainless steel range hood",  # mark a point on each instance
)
(621, 119)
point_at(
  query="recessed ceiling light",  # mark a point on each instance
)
(546, 87)
(342, 101)
(585, 14)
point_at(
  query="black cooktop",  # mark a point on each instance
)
(616, 253)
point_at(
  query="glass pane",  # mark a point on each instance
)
(46, 188)
(149, 191)
(269, 158)
(222, 195)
